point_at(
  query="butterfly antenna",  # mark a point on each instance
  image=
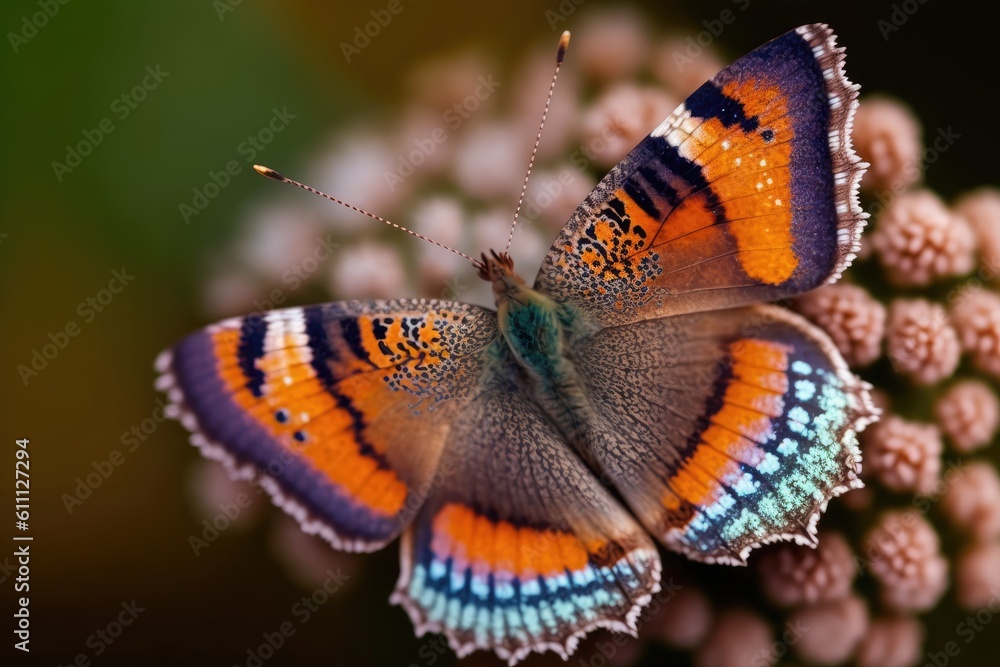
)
(272, 174)
(560, 55)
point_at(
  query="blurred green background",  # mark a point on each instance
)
(227, 65)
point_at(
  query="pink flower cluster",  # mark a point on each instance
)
(919, 318)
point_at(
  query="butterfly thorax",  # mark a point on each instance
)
(529, 321)
(535, 328)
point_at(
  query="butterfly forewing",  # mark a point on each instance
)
(746, 193)
(721, 426)
(340, 410)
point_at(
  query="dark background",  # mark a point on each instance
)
(119, 208)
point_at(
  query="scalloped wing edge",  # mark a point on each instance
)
(243, 471)
(564, 650)
(848, 167)
(866, 413)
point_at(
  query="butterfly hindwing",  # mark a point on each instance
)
(746, 193)
(637, 366)
(520, 548)
(339, 410)
(723, 430)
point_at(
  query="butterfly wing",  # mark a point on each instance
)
(746, 193)
(723, 430)
(340, 410)
(520, 548)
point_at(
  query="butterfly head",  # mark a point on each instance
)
(499, 270)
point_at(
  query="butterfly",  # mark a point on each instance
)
(530, 458)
